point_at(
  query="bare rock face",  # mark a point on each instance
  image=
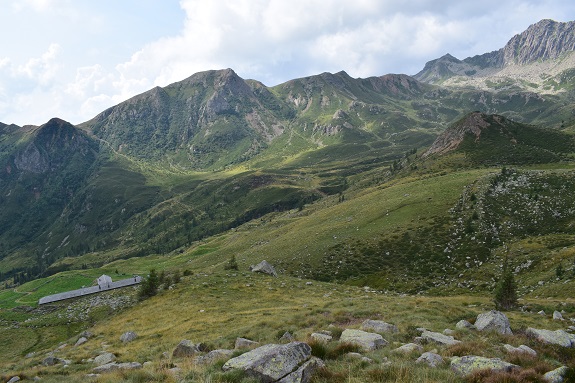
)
(547, 39)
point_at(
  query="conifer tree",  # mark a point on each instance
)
(506, 289)
(149, 286)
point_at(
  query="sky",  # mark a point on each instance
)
(73, 59)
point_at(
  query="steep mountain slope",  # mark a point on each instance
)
(43, 172)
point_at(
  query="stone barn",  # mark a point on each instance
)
(104, 281)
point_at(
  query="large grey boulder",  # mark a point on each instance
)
(244, 343)
(466, 365)
(368, 341)
(557, 315)
(81, 341)
(431, 359)
(213, 356)
(493, 321)
(128, 336)
(378, 326)
(187, 348)
(558, 337)
(556, 376)
(109, 367)
(271, 362)
(104, 358)
(265, 268)
(439, 338)
(14, 379)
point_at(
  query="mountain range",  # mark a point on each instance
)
(174, 166)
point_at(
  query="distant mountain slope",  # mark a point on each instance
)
(496, 140)
(534, 59)
(39, 176)
(211, 119)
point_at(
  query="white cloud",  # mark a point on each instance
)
(41, 69)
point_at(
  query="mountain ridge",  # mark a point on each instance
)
(544, 41)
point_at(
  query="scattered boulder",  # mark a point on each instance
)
(521, 349)
(272, 362)
(436, 337)
(558, 337)
(557, 315)
(287, 337)
(378, 326)
(104, 358)
(128, 336)
(86, 334)
(409, 348)
(463, 324)
(466, 365)
(319, 337)
(117, 366)
(187, 348)
(50, 360)
(368, 341)
(214, 355)
(81, 341)
(265, 268)
(14, 379)
(556, 376)
(493, 321)
(244, 343)
(431, 359)
(448, 331)
(541, 312)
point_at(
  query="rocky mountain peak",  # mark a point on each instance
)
(547, 39)
(471, 124)
(52, 145)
